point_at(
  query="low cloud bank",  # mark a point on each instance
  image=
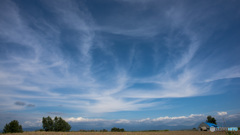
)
(160, 123)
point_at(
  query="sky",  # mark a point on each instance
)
(134, 64)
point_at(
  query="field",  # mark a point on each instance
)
(126, 133)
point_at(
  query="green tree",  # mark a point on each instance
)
(47, 123)
(58, 124)
(13, 127)
(211, 119)
(114, 129)
(61, 125)
(121, 130)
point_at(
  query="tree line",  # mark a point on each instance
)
(57, 124)
(48, 124)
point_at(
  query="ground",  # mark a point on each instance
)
(127, 133)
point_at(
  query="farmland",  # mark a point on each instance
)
(125, 133)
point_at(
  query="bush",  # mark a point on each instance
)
(39, 130)
(13, 127)
(114, 129)
(104, 130)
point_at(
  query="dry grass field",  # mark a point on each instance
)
(125, 133)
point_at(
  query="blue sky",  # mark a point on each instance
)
(127, 63)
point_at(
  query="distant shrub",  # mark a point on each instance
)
(114, 129)
(40, 130)
(104, 130)
(13, 127)
(194, 129)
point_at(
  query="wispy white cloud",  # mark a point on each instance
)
(43, 68)
(187, 56)
(229, 73)
(182, 85)
(38, 74)
(115, 104)
(179, 20)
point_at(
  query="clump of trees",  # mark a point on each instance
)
(56, 124)
(114, 129)
(104, 130)
(211, 120)
(13, 127)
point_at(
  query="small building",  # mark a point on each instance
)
(205, 126)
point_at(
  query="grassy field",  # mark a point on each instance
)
(125, 133)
